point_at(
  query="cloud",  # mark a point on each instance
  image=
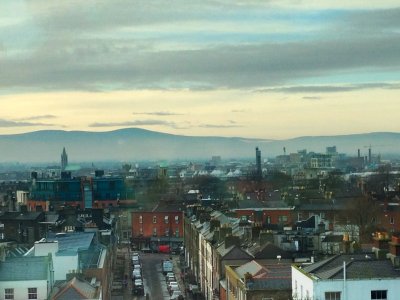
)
(220, 126)
(138, 123)
(311, 98)
(330, 88)
(41, 117)
(158, 113)
(115, 46)
(10, 123)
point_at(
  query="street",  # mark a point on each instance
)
(155, 285)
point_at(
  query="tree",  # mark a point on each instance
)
(361, 211)
(126, 167)
(211, 186)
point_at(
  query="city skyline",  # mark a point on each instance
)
(257, 69)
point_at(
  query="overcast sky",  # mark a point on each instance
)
(264, 69)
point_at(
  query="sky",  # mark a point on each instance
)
(248, 68)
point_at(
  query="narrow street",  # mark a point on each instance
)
(155, 286)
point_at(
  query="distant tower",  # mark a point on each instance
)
(64, 160)
(369, 155)
(258, 163)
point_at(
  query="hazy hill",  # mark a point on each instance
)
(134, 144)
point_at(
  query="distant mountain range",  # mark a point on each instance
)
(134, 144)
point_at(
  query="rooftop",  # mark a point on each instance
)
(25, 268)
(358, 266)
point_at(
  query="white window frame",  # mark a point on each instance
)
(9, 293)
(379, 297)
(333, 295)
(32, 293)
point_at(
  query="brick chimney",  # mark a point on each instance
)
(214, 223)
(266, 236)
(255, 233)
(232, 240)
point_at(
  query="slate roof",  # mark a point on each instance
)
(25, 268)
(358, 266)
(271, 251)
(233, 253)
(333, 239)
(266, 277)
(251, 267)
(22, 216)
(76, 289)
(73, 241)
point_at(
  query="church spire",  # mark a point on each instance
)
(64, 160)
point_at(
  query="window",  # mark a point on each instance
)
(379, 295)
(167, 232)
(177, 219)
(8, 293)
(282, 219)
(177, 232)
(32, 293)
(332, 295)
(391, 220)
(154, 231)
(166, 219)
(154, 219)
(141, 219)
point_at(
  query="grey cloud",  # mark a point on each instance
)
(158, 113)
(371, 21)
(41, 117)
(10, 123)
(137, 123)
(78, 55)
(312, 98)
(235, 67)
(331, 88)
(220, 125)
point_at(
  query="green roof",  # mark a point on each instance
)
(25, 268)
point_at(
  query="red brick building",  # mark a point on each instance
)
(151, 229)
(261, 216)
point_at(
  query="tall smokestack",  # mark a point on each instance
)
(359, 153)
(369, 155)
(258, 163)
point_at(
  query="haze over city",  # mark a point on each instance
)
(257, 69)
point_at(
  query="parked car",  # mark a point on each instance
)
(176, 295)
(135, 259)
(167, 266)
(170, 278)
(174, 288)
(138, 282)
(171, 285)
(136, 274)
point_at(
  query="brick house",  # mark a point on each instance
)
(151, 229)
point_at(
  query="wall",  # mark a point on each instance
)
(21, 288)
(145, 226)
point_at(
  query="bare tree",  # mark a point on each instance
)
(362, 211)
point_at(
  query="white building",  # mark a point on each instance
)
(65, 249)
(26, 277)
(346, 277)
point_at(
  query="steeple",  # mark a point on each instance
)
(64, 160)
